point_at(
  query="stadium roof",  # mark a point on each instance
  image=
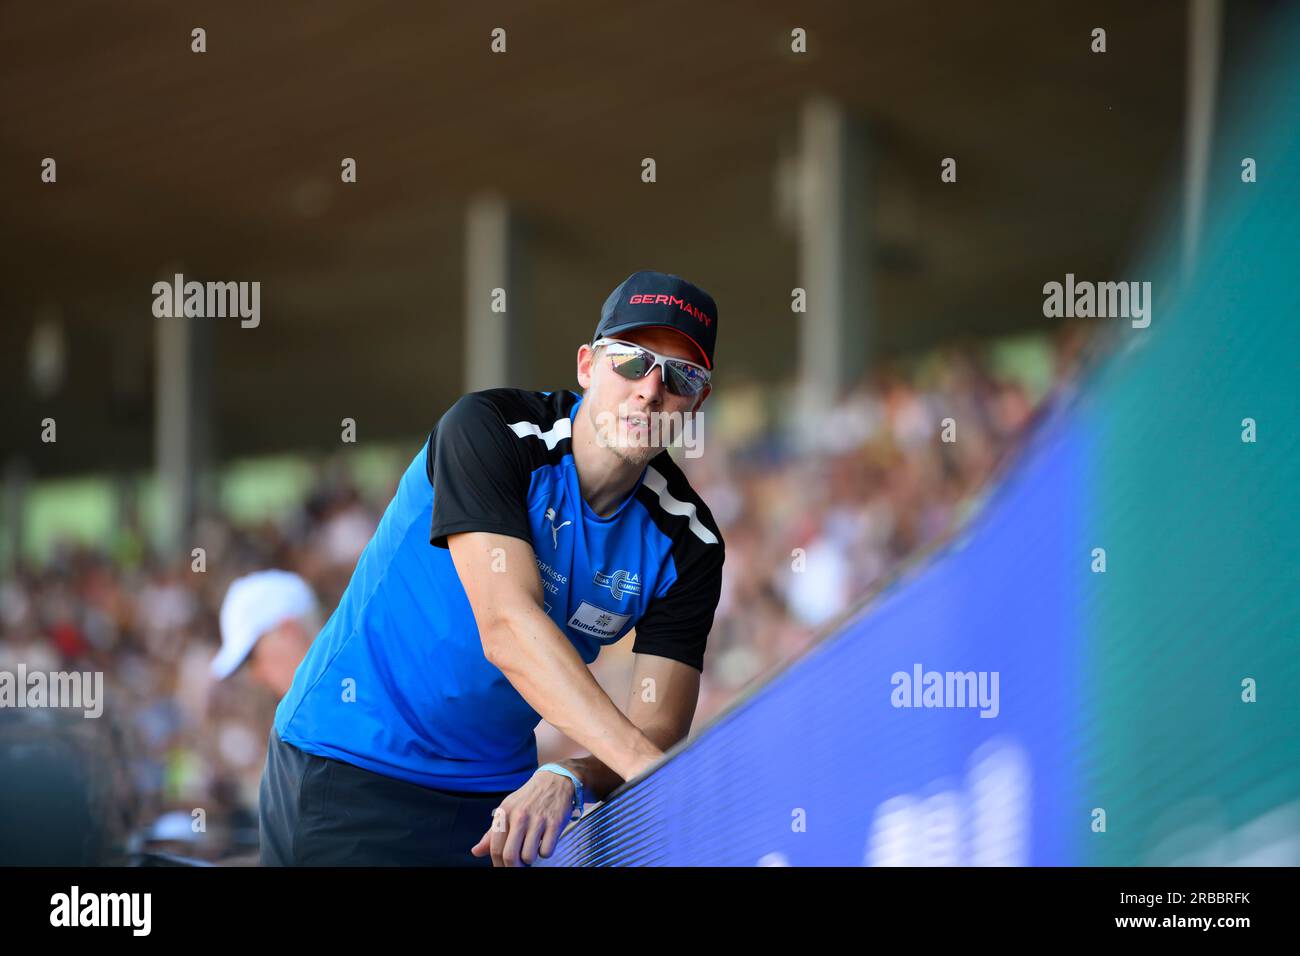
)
(225, 165)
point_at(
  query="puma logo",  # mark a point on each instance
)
(555, 528)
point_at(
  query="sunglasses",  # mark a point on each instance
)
(636, 361)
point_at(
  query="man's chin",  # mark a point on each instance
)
(638, 455)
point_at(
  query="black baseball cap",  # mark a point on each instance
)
(645, 299)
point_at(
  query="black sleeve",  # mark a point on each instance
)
(479, 473)
(677, 624)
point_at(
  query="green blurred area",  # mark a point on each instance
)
(85, 509)
(1193, 663)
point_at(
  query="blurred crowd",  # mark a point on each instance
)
(814, 518)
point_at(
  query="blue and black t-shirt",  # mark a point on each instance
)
(397, 681)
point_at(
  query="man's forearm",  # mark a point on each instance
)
(548, 673)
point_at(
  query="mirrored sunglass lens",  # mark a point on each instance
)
(684, 379)
(630, 363)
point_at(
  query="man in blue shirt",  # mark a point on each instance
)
(529, 531)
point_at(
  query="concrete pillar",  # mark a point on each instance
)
(183, 410)
(17, 482)
(835, 252)
(496, 342)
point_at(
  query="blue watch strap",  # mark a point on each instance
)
(578, 795)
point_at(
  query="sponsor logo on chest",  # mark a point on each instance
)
(619, 583)
(597, 621)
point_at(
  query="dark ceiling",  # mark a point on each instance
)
(225, 165)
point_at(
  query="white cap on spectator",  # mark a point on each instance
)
(173, 826)
(255, 604)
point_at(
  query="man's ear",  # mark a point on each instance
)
(585, 356)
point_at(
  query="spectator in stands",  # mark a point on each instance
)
(272, 617)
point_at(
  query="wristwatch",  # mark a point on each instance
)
(578, 794)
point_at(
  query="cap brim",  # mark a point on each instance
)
(228, 660)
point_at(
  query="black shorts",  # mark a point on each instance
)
(315, 811)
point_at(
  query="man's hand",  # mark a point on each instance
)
(530, 819)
